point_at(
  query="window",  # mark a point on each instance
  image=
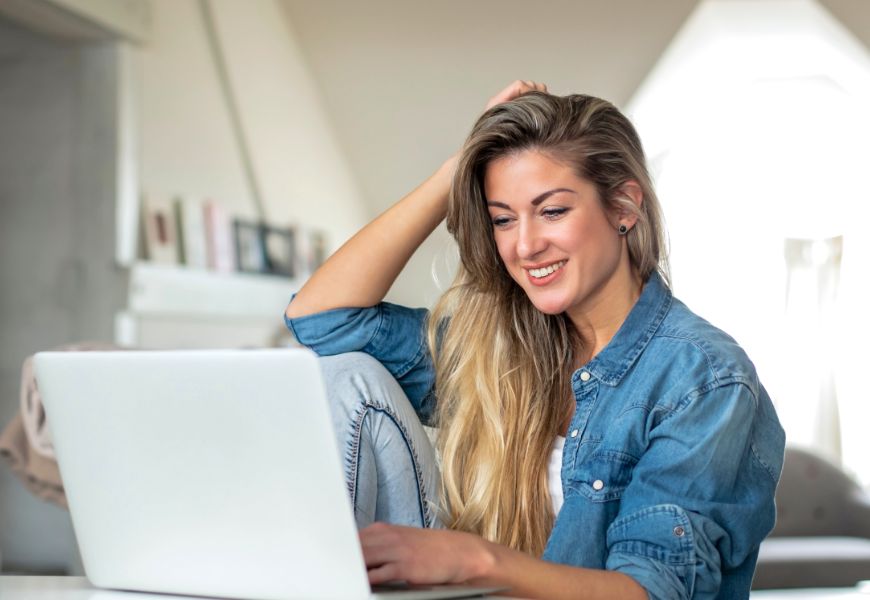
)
(757, 125)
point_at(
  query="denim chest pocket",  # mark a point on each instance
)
(603, 475)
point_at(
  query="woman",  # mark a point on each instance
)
(596, 438)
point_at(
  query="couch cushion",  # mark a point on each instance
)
(791, 562)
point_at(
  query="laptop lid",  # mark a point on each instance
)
(203, 472)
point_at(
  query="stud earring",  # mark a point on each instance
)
(623, 229)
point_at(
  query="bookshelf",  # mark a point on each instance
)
(179, 291)
(172, 305)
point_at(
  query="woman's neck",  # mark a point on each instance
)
(598, 320)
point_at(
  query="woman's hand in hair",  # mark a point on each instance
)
(362, 271)
(423, 556)
(514, 90)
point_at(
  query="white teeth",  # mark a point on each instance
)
(538, 273)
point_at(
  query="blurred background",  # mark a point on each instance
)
(171, 171)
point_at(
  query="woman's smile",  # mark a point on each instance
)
(546, 274)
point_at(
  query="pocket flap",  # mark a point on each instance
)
(604, 475)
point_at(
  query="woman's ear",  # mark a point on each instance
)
(632, 191)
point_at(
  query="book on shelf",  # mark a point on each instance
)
(220, 245)
(202, 234)
(190, 221)
(160, 233)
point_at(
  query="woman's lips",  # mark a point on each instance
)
(547, 279)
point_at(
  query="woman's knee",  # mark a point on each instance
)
(342, 367)
(357, 379)
(355, 373)
(369, 408)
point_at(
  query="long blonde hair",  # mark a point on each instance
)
(502, 366)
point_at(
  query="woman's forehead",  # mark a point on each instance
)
(524, 177)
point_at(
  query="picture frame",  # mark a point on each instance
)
(318, 249)
(249, 246)
(279, 249)
(311, 250)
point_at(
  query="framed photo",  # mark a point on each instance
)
(317, 246)
(250, 253)
(311, 250)
(279, 246)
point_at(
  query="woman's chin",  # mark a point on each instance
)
(548, 307)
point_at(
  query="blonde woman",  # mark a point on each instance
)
(596, 438)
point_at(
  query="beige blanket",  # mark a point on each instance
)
(25, 443)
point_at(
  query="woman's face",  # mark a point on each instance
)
(554, 235)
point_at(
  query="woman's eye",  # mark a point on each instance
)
(500, 221)
(553, 213)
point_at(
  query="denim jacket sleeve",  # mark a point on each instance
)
(393, 334)
(701, 498)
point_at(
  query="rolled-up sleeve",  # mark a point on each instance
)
(701, 498)
(395, 335)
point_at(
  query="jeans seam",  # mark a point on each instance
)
(353, 457)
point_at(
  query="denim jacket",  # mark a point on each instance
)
(671, 460)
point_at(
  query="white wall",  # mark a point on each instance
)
(187, 143)
(187, 139)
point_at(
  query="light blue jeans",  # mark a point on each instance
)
(390, 466)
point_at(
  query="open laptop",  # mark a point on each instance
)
(209, 472)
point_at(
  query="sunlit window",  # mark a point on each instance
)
(757, 125)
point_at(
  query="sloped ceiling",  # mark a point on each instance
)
(403, 81)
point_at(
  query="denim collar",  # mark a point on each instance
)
(611, 364)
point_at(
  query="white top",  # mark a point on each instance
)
(555, 474)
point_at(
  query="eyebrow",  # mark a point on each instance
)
(535, 201)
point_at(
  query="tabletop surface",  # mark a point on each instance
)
(28, 587)
(22, 587)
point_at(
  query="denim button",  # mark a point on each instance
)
(597, 485)
(575, 433)
(585, 376)
(679, 531)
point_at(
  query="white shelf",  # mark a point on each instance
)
(175, 291)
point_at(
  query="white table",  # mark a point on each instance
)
(25, 587)
(858, 593)
(20, 587)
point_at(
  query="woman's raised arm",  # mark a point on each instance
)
(361, 272)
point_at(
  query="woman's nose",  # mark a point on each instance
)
(529, 241)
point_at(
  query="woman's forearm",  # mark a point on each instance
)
(529, 577)
(361, 272)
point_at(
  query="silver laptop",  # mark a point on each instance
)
(212, 473)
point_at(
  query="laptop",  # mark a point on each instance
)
(207, 472)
